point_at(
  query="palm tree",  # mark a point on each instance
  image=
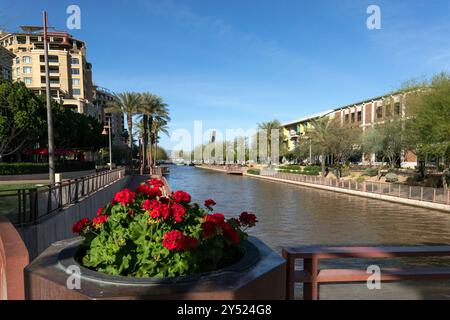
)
(322, 135)
(267, 127)
(153, 109)
(126, 103)
(159, 126)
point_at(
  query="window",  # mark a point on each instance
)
(27, 80)
(76, 92)
(353, 117)
(27, 70)
(51, 59)
(388, 110)
(75, 81)
(359, 116)
(26, 59)
(18, 71)
(379, 112)
(397, 108)
(75, 61)
(75, 71)
(346, 118)
(18, 60)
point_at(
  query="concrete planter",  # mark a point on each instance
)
(260, 274)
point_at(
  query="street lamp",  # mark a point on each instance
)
(110, 141)
(51, 145)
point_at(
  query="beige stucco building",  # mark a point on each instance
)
(363, 114)
(6, 59)
(70, 72)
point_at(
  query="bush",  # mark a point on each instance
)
(254, 171)
(391, 177)
(34, 168)
(291, 167)
(360, 179)
(146, 234)
(312, 170)
(371, 172)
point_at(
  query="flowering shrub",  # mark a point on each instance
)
(142, 233)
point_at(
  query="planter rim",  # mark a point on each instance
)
(251, 257)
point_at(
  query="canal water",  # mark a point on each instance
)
(292, 215)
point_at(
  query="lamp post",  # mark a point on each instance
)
(110, 141)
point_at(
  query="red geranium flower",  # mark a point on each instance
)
(156, 183)
(99, 211)
(80, 225)
(247, 219)
(97, 221)
(217, 218)
(230, 233)
(209, 203)
(209, 229)
(181, 196)
(124, 197)
(178, 212)
(150, 192)
(176, 240)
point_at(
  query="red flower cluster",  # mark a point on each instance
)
(148, 191)
(100, 211)
(98, 221)
(247, 219)
(156, 209)
(209, 203)
(181, 196)
(176, 240)
(178, 212)
(124, 197)
(156, 183)
(215, 222)
(80, 225)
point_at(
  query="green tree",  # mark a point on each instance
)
(126, 103)
(21, 117)
(322, 134)
(265, 131)
(428, 127)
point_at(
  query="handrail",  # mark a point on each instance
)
(311, 276)
(426, 194)
(36, 203)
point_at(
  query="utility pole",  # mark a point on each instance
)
(51, 146)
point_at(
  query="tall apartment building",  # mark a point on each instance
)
(363, 114)
(70, 72)
(102, 97)
(6, 59)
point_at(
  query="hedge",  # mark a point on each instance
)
(254, 171)
(34, 168)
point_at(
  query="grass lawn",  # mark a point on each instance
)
(4, 187)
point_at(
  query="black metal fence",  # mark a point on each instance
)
(28, 206)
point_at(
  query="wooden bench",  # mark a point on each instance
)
(311, 276)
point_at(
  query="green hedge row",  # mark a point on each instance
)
(254, 171)
(32, 168)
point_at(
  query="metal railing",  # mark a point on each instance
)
(436, 195)
(311, 276)
(229, 168)
(28, 206)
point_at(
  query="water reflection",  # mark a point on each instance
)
(292, 215)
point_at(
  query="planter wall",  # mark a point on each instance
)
(259, 275)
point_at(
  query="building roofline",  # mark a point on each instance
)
(314, 116)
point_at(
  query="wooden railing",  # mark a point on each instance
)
(312, 277)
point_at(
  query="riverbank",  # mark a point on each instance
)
(402, 197)
(360, 193)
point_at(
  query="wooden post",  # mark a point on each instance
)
(311, 289)
(290, 276)
(421, 193)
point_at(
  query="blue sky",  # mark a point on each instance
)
(235, 63)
